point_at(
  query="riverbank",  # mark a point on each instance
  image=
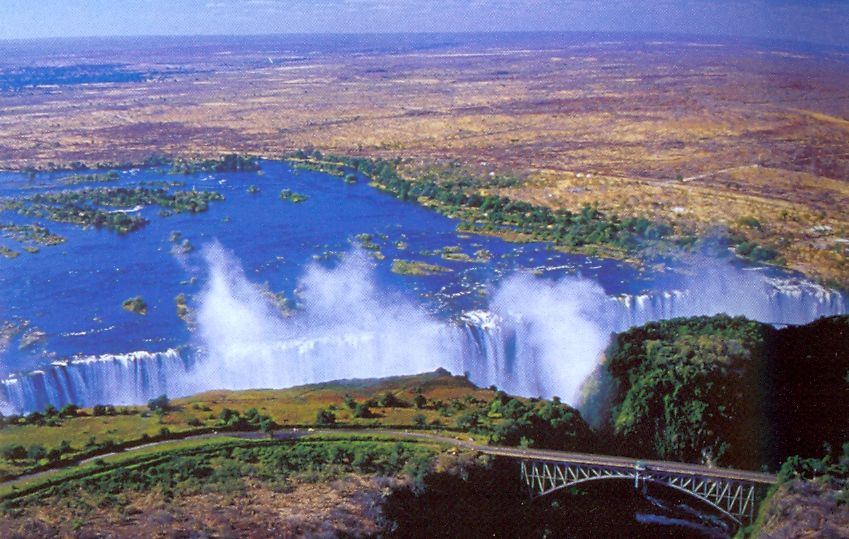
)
(572, 226)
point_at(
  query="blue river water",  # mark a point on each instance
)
(523, 316)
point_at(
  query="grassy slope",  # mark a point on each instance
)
(163, 479)
(287, 407)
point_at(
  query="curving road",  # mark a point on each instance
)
(464, 442)
(550, 455)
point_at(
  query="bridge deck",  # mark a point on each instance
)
(625, 462)
(547, 455)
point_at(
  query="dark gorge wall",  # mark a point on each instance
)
(727, 391)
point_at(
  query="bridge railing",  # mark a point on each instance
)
(733, 497)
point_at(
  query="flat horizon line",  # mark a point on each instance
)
(618, 33)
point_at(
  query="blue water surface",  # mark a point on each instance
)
(73, 291)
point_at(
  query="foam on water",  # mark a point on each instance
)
(538, 337)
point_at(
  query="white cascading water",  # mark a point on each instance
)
(347, 328)
(538, 337)
(130, 378)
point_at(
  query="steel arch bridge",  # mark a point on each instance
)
(733, 497)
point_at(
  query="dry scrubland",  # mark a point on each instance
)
(751, 140)
(343, 507)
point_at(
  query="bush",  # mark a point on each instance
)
(159, 403)
(228, 416)
(420, 401)
(267, 425)
(389, 400)
(361, 410)
(349, 401)
(14, 452)
(36, 452)
(35, 418)
(325, 417)
(69, 410)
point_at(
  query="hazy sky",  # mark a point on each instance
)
(820, 21)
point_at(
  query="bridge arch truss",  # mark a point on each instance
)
(734, 498)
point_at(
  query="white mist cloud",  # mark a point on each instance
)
(540, 337)
(561, 329)
(346, 328)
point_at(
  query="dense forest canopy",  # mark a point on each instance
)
(729, 391)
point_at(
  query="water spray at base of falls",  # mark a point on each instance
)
(538, 337)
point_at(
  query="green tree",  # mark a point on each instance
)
(14, 452)
(36, 452)
(325, 418)
(420, 401)
(160, 402)
(229, 417)
(349, 401)
(69, 410)
(361, 410)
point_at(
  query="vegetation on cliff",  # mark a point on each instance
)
(197, 469)
(811, 499)
(684, 388)
(728, 390)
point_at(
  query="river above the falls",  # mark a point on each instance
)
(283, 293)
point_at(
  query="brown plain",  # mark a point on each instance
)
(699, 135)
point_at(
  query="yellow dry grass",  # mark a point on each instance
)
(635, 120)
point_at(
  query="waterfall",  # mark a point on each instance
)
(504, 350)
(537, 337)
(131, 378)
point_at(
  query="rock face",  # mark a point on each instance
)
(806, 509)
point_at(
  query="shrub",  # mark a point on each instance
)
(361, 410)
(14, 452)
(325, 417)
(349, 401)
(36, 452)
(159, 403)
(389, 400)
(228, 416)
(69, 410)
